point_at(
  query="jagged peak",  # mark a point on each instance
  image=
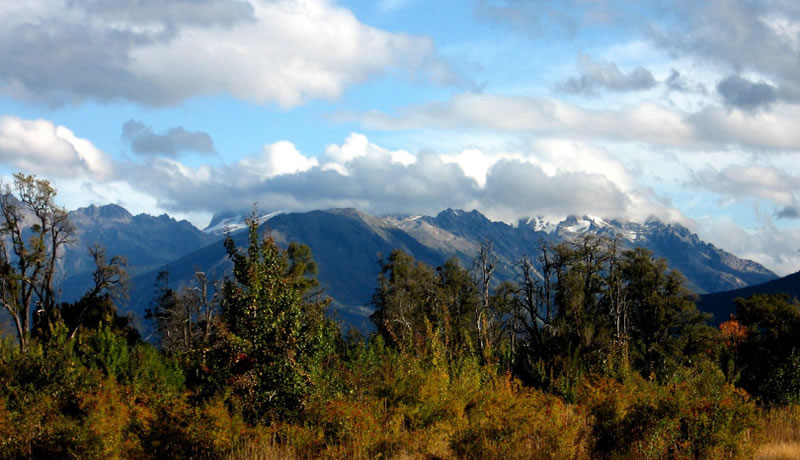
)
(461, 214)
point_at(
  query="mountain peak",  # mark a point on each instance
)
(108, 211)
(450, 214)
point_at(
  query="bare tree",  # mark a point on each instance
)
(484, 267)
(185, 319)
(617, 292)
(33, 230)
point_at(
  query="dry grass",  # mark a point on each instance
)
(779, 451)
(781, 431)
(257, 452)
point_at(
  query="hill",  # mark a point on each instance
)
(721, 304)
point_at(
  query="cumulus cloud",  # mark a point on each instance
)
(357, 145)
(175, 140)
(162, 52)
(173, 13)
(515, 188)
(746, 95)
(596, 76)
(279, 158)
(42, 147)
(380, 180)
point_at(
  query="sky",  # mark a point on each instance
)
(680, 110)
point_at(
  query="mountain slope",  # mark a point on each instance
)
(147, 242)
(706, 267)
(347, 245)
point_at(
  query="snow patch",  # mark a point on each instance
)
(238, 222)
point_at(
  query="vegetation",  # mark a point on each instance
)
(592, 352)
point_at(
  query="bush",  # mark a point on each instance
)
(506, 421)
(697, 415)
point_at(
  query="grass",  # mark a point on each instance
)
(779, 451)
(781, 431)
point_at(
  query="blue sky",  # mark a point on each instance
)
(685, 111)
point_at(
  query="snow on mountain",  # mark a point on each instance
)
(231, 222)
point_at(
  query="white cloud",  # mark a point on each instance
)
(476, 163)
(42, 147)
(279, 158)
(284, 51)
(751, 180)
(773, 130)
(645, 122)
(74, 193)
(764, 243)
(357, 145)
(605, 75)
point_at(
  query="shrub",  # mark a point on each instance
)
(697, 415)
(506, 421)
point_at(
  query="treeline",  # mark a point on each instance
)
(593, 351)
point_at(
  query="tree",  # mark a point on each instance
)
(275, 338)
(768, 356)
(415, 305)
(34, 231)
(594, 308)
(186, 319)
(484, 265)
(666, 330)
(97, 306)
(406, 298)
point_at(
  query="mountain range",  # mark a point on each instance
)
(147, 242)
(348, 245)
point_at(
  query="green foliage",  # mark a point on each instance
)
(414, 304)
(695, 415)
(768, 357)
(274, 338)
(666, 328)
(601, 311)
